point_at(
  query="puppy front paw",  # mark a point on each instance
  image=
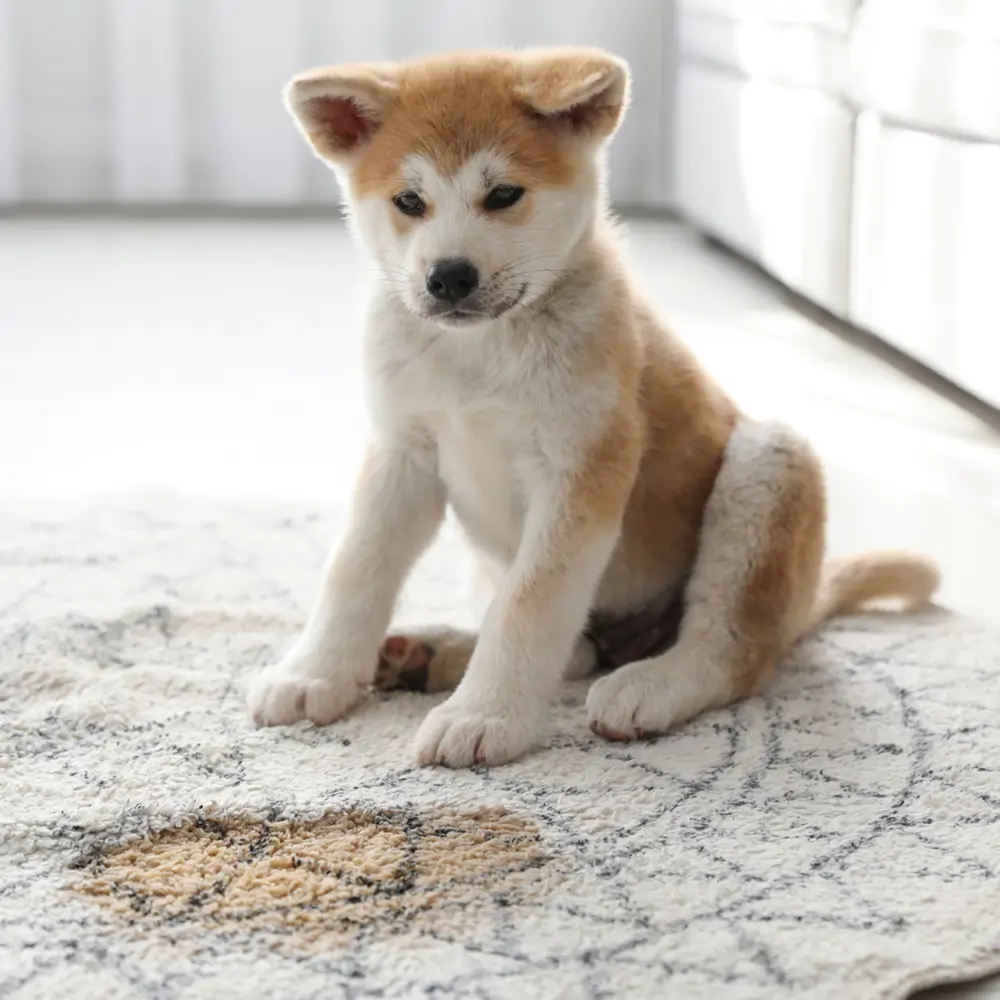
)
(298, 688)
(463, 733)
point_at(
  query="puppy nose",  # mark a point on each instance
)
(452, 279)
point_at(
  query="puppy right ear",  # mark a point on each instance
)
(339, 108)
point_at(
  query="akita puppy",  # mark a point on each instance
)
(627, 513)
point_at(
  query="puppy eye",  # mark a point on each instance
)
(502, 196)
(410, 203)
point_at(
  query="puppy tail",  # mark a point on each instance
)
(853, 581)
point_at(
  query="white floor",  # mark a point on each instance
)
(219, 358)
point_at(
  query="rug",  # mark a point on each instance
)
(836, 837)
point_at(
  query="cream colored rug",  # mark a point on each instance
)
(838, 837)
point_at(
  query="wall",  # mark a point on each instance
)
(141, 101)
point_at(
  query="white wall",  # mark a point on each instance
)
(178, 100)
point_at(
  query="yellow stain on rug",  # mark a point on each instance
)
(315, 884)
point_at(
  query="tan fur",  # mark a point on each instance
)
(778, 595)
(582, 446)
(449, 107)
(686, 423)
(852, 582)
(605, 479)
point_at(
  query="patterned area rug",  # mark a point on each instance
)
(838, 836)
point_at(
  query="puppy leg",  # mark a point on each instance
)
(750, 594)
(434, 659)
(397, 508)
(424, 659)
(502, 707)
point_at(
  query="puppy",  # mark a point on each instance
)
(627, 513)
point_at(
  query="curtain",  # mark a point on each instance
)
(178, 101)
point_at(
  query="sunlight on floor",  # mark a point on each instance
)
(219, 358)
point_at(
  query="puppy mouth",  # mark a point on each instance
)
(470, 313)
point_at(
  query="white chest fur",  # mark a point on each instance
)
(499, 409)
(477, 462)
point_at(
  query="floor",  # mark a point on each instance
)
(219, 357)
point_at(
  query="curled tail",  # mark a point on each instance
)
(852, 581)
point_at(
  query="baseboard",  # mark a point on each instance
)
(216, 210)
(182, 211)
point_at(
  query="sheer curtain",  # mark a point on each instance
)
(177, 101)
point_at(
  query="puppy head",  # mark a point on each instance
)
(470, 178)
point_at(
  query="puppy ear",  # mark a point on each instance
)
(339, 108)
(584, 91)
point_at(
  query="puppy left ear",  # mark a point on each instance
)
(584, 91)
